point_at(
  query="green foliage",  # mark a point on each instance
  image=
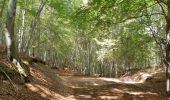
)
(85, 35)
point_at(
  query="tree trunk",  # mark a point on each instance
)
(10, 41)
(21, 31)
(167, 50)
(1, 35)
(45, 56)
(12, 53)
(33, 25)
(167, 64)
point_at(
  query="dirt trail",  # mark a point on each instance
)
(52, 84)
(86, 88)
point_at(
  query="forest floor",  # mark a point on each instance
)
(147, 84)
(63, 84)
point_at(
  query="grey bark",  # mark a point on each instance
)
(21, 32)
(167, 49)
(12, 53)
(10, 41)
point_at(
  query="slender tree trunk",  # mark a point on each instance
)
(89, 57)
(1, 37)
(45, 56)
(116, 70)
(21, 31)
(167, 50)
(33, 25)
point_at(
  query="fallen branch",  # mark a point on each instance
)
(12, 83)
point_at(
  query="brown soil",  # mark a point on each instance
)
(87, 88)
(57, 84)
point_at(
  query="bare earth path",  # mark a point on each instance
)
(86, 88)
(50, 84)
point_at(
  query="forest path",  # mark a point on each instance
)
(96, 88)
(54, 84)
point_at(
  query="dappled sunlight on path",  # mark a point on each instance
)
(124, 88)
(137, 78)
(45, 92)
(47, 84)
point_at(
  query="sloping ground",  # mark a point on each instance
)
(67, 72)
(140, 75)
(45, 85)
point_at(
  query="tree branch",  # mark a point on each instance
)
(15, 88)
(162, 1)
(136, 17)
(162, 8)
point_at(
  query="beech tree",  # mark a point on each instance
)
(12, 53)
